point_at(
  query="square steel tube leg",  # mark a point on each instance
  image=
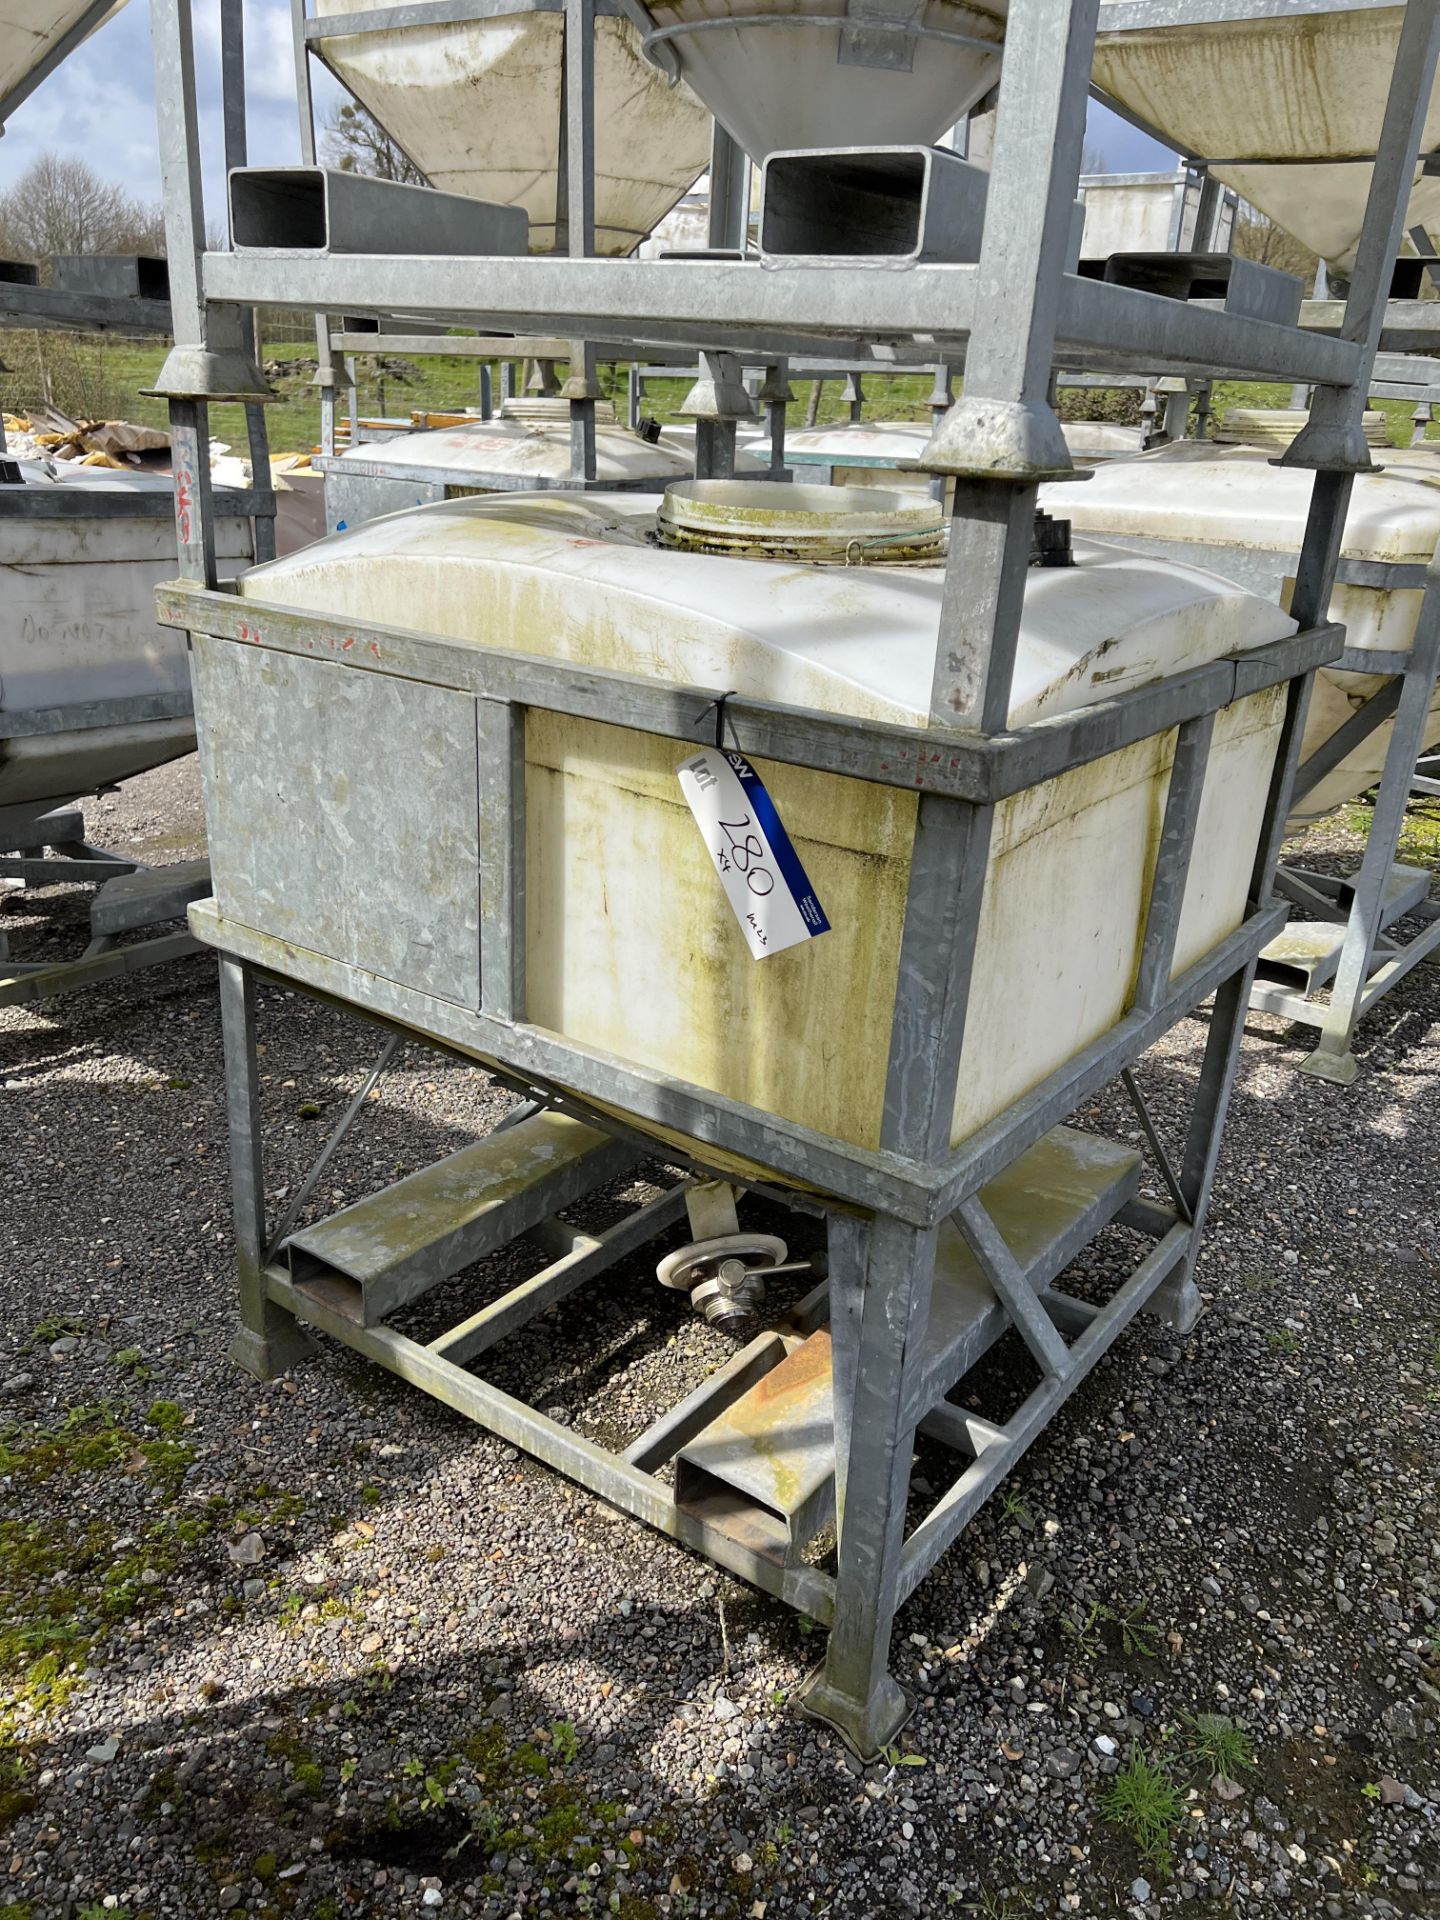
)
(268, 1340)
(1177, 1301)
(880, 1282)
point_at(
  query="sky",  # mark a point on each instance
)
(100, 105)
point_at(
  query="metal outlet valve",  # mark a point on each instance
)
(724, 1277)
(722, 1269)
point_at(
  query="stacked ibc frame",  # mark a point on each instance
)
(1011, 318)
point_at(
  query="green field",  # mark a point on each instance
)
(104, 378)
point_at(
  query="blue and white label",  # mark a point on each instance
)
(760, 871)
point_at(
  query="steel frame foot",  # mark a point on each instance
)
(1326, 1064)
(267, 1355)
(1176, 1304)
(866, 1726)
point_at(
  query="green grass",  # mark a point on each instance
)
(1216, 1747)
(106, 376)
(94, 375)
(58, 1326)
(1419, 836)
(1138, 1637)
(1145, 1802)
(1013, 1507)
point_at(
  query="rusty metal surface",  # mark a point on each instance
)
(777, 1443)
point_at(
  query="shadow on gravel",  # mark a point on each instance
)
(440, 1769)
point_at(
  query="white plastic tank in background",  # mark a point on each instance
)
(861, 453)
(526, 445)
(752, 445)
(1092, 442)
(527, 450)
(885, 453)
(657, 973)
(1302, 87)
(1149, 213)
(1203, 498)
(77, 626)
(476, 105)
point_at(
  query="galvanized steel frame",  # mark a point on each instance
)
(53, 308)
(24, 983)
(1371, 963)
(23, 840)
(1016, 314)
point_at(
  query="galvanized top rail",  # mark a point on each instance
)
(1410, 326)
(435, 13)
(983, 768)
(21, 502)
(716, 303)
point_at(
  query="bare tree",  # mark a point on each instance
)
(357, 143)
(1256, 238)
(62, 205)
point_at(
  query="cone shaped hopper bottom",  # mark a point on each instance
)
(1268, 96)
(778, 84)
(476, 105)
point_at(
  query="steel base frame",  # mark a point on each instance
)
(875, 1302)
(1370, 962)
(53, 850)
(887, 1207)
(1013, 316)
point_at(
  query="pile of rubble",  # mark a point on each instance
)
(47, 436)
(50, 441)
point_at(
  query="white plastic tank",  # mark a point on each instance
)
(476, 104)
(1239, 514)
(77, 627)
(777, 74)
(1149, 213)
(526, 445)
(1280, 105)
(884, 453)
(631, 946)
(30, 30)
(861, 453)
(1092, 442)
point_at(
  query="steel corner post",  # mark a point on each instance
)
(1003, 426)
(268, 1341)
(1002, 437)
(575, 226)
(1333, 443)
(213, 356)
(881, 1276)
(880, 1284)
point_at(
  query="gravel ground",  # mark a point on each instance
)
(319, 1648)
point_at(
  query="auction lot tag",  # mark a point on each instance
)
(766, 885)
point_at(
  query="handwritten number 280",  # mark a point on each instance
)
(747, 850)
